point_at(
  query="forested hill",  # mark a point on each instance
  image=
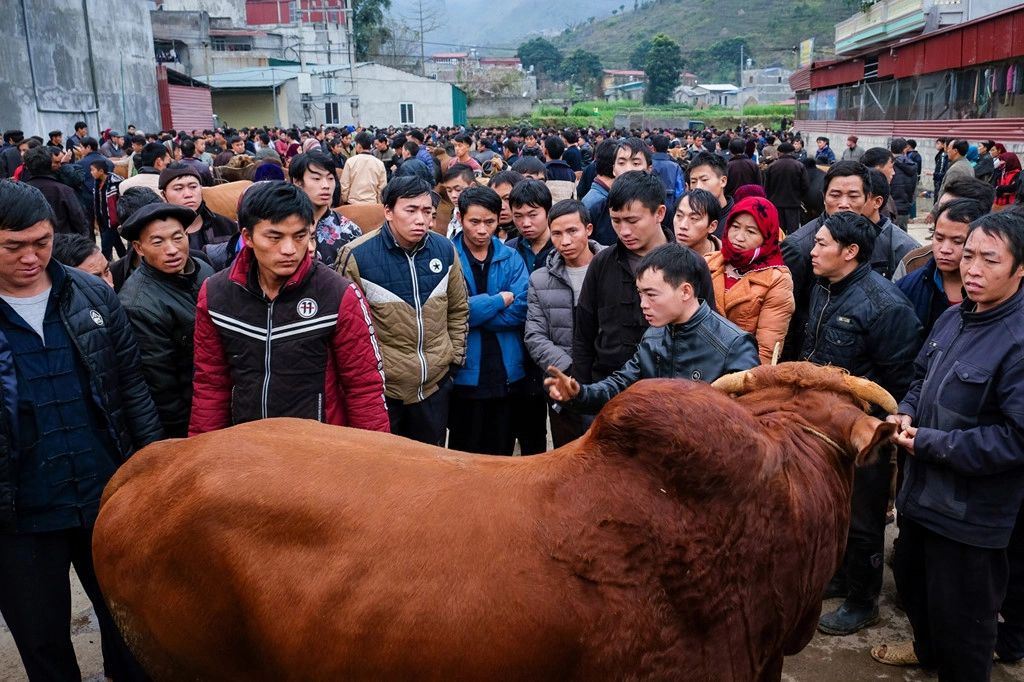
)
(709, 32)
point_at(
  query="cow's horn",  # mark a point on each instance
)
(732, 383)
(871, 392)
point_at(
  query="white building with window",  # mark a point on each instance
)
(368, 95)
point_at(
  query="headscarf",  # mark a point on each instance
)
(1010, 162)
(310, 144)
(972, 153)
(768, 254)
(745, 191)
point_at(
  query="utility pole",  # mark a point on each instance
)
(741, 85)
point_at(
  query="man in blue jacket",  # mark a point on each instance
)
(73, 407)
(962, 422)
(480, 419)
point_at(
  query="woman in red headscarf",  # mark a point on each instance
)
(1009, 181)
(753, 287)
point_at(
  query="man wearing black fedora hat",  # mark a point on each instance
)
(160, 299)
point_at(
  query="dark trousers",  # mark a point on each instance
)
(951, 593)
(566, 425)
(529, 423)
(110, 241)
(480, 426)
(424, 421)
(789, 219)
(35, 600)
(865, 543)
(1010, 641)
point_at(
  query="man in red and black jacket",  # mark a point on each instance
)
(279, 334)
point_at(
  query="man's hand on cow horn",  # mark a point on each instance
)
(561, 387)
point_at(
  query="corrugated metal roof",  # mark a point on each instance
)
(268, 76)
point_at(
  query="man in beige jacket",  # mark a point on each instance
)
(364, 177)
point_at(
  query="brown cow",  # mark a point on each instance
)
(687, 536)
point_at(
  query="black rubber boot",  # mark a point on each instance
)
(838, 586)
(864, 573)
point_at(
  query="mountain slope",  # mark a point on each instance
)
(771, 28)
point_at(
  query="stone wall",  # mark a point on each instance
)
(494, 107)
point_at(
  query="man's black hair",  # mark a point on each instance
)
(365, 140)
(604, 157)
(511, 146)
(897, 146)
(570, 136)
(529, 193)
(962, 210)
(99, 164)
(736, 146)
(528, 164)
(961, 146)
(314, 159)
(233, 139)
(414, 134)
(843, 169)
(529, 133)
(412, 147)
(80, 124)
(822, 138)
(460, 170)
(635, 146)
(703, 202)
(660, 143)
(38, 161)
(1007, 226)
(138, 139)
(153, 152)
(22, 205)
(676, 262)
(879, 184)
(274, 201)
(717, 163)
(876, 157)
(568, 207)
(133, 199)
(555, 146)
(72, 249)
(13, 136)
(912, 143)
(90, 142)
(852, 228)
(505, 177)
(971, 188)
(463, 138)
(188, 149)
(404, 187)
(639, 186)
(480, 196)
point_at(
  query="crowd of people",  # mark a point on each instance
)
(575, 263)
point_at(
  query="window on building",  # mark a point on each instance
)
(293, 12)
(219, 45)
(331, 113)
(406, 114)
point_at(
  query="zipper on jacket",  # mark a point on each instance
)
(821, 316)
(266, 359)
(419, 325)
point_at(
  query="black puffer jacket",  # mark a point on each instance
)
(864, 324)
(162, 310)
(609, 322)
(103, 339)
(903, 186)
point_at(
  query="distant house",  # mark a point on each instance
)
(708, 95)
(334, 95)
(626, 91)
(766, 86)
(613, 77)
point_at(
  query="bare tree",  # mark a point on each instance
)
(399, 51)
(423, 17)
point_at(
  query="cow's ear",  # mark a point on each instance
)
(866, 435)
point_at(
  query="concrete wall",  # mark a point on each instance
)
(238, 108)
(67, 66)
(381, 90)
(499, 106)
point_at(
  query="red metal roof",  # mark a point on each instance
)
(450, 55)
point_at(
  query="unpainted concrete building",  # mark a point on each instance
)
(68, 60)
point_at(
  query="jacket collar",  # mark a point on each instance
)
(183, 280)
(389, 239)
(862, 270)
(1011, 306)
(703, 313)
(555, 260)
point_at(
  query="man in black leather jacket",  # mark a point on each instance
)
(686, 339)
(73, 407)
(862, 322)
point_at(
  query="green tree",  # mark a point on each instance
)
(370, 27)
(584, 69)
(664, 62)
(719, 63)
(542, 55)
(638, 57)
